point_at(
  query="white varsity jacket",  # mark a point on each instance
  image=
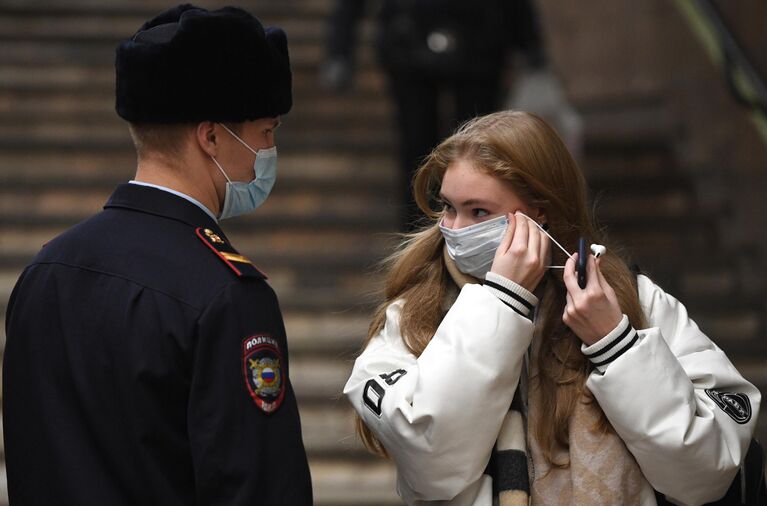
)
(671, 394)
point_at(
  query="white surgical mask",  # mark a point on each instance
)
(473, 247)
(243, 197)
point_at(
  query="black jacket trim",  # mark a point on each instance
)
(511, 294)
(620, 352)
(610, 346)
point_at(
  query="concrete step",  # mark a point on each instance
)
(3, 486)
(67, 168)
(701, 286)
(75, 103)
(718, 280)
(646, 202)
(148, 8)
(659, 245)
(624, 175)
(109, 28)
(328, 428)
(93, 84)
(645, 123)
(304, 55)
(338, 334)
(114, 135)
(740, 332)
(339, 482)
(606, 163)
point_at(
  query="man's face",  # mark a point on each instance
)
(259, 134)
(237, 159)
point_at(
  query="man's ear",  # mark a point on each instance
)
(206, 137)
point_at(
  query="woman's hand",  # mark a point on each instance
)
(523, 253)
(591, 312)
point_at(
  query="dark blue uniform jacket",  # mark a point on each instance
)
(146, 363)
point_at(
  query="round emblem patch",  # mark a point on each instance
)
(736, 405)
(262, 368)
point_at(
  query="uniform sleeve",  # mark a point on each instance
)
(673, 396)
(245, 440)
(438, 415)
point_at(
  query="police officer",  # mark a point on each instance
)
(146, 359)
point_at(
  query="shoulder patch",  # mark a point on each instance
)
(240, 264)
(736, 405)
(264, 371)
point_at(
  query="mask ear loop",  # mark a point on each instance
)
(221, 169)
(549, 236)
(597, 249)
(238, 138)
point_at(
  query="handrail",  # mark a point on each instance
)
(744, 81)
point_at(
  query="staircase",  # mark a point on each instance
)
(332, 214)
(649, 206)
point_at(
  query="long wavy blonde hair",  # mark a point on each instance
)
(523, 151)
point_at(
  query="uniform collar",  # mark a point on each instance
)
(178, 193)
(151, 200)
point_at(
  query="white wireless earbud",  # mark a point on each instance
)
(598, 250)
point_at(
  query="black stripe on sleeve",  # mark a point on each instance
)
(612, 344)
(515, 309)
(619, 353)
(511, 294)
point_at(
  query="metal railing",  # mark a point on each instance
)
(743, 79)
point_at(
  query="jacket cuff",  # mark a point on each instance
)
(513, 295)
(613, 345)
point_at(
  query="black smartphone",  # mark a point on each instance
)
(580, 267)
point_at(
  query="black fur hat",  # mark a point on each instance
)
(189, 64)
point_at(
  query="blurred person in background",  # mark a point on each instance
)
(146, 359)
(489, 376)
(446, 61)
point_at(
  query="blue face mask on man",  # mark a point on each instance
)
(242, 197)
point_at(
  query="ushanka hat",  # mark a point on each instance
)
(189, 64)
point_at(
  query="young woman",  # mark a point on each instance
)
(489, 374)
